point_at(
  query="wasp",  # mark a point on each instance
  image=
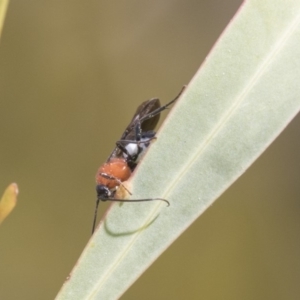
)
(128, 152)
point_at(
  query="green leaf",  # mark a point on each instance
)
(243, 96)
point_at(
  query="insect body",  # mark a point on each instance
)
(128, 151)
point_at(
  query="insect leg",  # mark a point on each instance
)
(107, 176)
(145, 139)
(138, 126)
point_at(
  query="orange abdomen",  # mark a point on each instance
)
(116, 168)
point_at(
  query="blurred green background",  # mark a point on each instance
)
(71, 76)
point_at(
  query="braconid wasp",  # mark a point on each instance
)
(127, 153)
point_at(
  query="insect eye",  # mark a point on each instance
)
(102, 191)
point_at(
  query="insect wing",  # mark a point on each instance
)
(144, 109)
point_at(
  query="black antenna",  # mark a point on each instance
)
(95, 215)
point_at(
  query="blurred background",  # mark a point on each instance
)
(71, 76)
